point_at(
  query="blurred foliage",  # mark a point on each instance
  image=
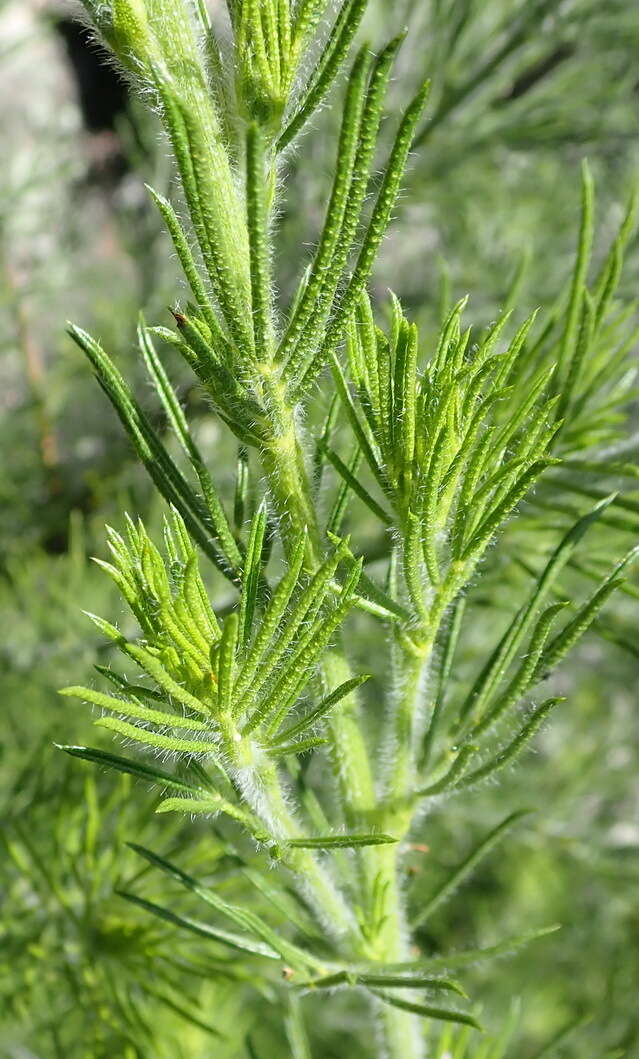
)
(522, 91)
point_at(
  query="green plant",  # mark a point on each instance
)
(66, 934)
(428, 452)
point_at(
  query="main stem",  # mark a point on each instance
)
(319, 887)
(284, 466)
(403, 1032)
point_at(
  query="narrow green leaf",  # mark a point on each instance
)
(321, 710)
(131, 767)
(133, 709)
(197, 602)
(338, 512)
(241, 487)
(446, 656)
(211, 804)
(562, 643)
(451, 778)
(224, 937)
(498, 662)
(346, 154)
(569, 336)
(251, 576)
(495, 518)
(272, 617)
(354, 420)
(229, 277)
(327, 68)
(122, 684)
(418, 980)
(427, 1011)
(375, 232)
(226, 660)
(448, 332)
(156, 739)
(243, 917)
(322, 441)
(161, 468)
(340, 841)
(429, 520)
(302, 746)
(183, 250)
(585, 335)
(527, 673)
(356, 487)
(468, 865)
(156, 670)
(467, 957)
(208, 805)
(373, 598)
(327, 302)
(413, 556)
(219, 521)
(285, 691)
(608, 278)
(514, 748)
(307, 644)
(408, 420)
(257, 221)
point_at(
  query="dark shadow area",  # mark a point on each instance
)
(103, 98)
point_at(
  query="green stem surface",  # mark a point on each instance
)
(285, 468)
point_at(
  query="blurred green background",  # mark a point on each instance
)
(522, 91)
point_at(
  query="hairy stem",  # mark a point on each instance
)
(404, 719)
(284, 465)
(267, 798)
(401, 1031)
(403, 1036)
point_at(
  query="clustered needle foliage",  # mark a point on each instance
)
(376, 473)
